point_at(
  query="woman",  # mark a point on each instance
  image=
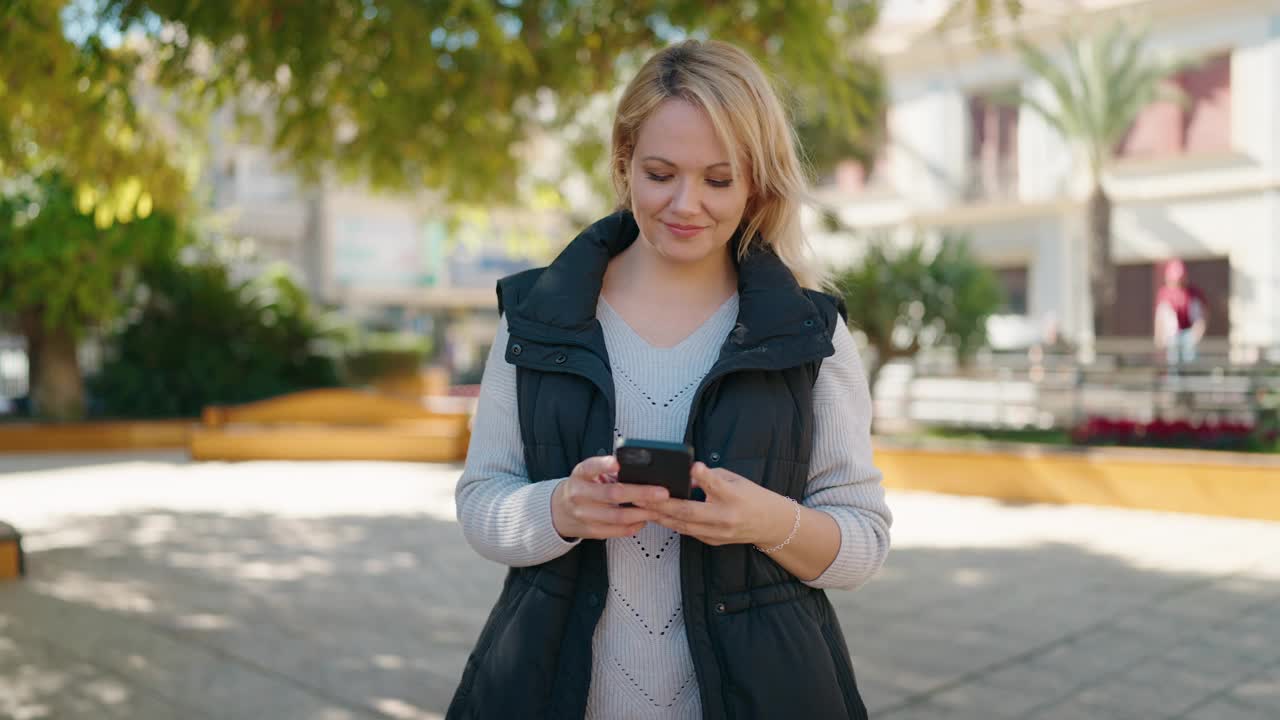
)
(681, 318)
(1181, 319)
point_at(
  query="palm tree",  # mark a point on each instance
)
(1105, 83)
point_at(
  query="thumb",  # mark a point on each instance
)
(707, 479)
(593, 467)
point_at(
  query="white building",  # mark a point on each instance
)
(359, 248)
(1200, 181)
(403, 260)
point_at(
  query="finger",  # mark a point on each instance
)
(690, 511)
(613, 515)
(618, 493)
(593, 467)
(705, 533)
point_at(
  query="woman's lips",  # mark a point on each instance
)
(684, 231)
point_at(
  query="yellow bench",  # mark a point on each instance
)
(40, 437)
(12, 563)
(335, 424)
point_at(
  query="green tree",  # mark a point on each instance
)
(908, 299)
(88, 189)
(410, 92)
(982, 15)
(69, 107)
(1097, 94)
(62, 272)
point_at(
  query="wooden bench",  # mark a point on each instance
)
(431, 382)
(336, 424)
(12, 562)
(41, 437)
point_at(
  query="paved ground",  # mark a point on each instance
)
(274, 591)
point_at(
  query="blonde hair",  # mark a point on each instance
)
(730, 87)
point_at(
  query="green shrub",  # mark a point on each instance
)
(199, 337)
(905, 299)
(374, 355)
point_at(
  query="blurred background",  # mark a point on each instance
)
(268, 232)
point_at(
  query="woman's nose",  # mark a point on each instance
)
(686, 199)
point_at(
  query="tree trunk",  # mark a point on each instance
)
(883, 354)
(874, 365)
(56, 389)
(1102, 276)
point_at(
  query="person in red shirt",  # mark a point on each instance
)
(1181, 316)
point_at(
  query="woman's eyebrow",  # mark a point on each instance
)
(668, 162)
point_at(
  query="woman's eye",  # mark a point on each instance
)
(713, 183)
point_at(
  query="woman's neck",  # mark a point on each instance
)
(640, 273)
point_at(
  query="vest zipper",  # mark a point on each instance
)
(723, 368)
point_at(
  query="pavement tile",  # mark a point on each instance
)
(1163, 629)
(1261, 691)
(1074, 710)
(169, 665)
(1085, 658)
(927, 711)
(1212, 603)
(1243, 641)
(1223, 663)
(1165, 687)
(330, 641)
(1026, 678)
(989, 700)
(1228, 709)
(878, 695)
(38, 682)
(1119, 700)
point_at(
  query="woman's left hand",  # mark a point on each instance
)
(736, 510)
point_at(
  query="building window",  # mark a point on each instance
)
(853, 177)
(993, 149)
(1013, 281)
(1133, 314)
(1207, 119)
(1200, 124)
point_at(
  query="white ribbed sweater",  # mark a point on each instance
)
(642, 666)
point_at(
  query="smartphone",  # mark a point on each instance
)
(653, 462)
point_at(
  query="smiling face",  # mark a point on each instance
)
(684, 195)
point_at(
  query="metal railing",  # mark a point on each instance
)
(1056, 391)
(13, 367)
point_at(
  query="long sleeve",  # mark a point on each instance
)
(843, 481)
(505, 517)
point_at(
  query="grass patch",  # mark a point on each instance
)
(1043, 437)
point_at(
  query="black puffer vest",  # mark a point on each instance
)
(764, 645)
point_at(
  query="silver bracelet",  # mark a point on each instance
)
(794, 529)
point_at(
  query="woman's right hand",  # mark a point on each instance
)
(585, 505)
